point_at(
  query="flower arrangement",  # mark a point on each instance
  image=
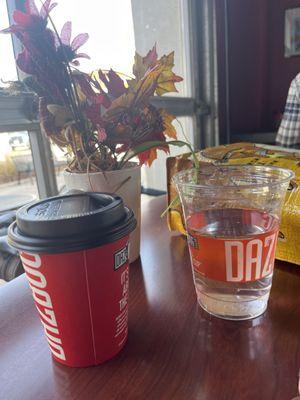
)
(101, 120)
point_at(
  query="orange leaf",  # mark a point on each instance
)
(152, 157)
(169, 129)
(151, 58)
(153, 153)
(152, 76)
(165, 87)
(143, 64)
(167, 78)
(119, 105)
(168, 60)
(138, 92)
(146, 87)
(139, 69)
(166, 82)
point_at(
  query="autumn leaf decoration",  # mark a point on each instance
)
(153, 76)
(101, 120)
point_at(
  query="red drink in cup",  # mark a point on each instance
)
(74, 250)
(232, 215)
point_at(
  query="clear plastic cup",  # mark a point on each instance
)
(232, 215)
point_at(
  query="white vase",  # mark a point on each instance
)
(125, 182)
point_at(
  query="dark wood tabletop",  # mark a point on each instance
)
(174, 351)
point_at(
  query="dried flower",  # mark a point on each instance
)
(66, 49)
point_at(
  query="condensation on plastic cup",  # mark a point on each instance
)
(232, 215)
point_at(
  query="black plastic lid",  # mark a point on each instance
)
(71, 223)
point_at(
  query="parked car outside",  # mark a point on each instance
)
(19, 140)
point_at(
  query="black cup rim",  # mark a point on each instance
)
(77, 242)
(44, 230)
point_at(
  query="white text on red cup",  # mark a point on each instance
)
(38, 283)
(249, 264)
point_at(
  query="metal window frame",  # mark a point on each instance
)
(199, 19)
(181, 106)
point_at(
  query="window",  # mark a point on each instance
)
(17, 177)
(116, 28)
(60, 163)
(26, 171)
(137, 24)
(109, 24)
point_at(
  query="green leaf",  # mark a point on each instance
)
(150, 145)
(173, 203)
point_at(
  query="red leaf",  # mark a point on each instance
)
(147, 157)
(143, 157)
(151, 58)
(24, 62)
(102, 136)
(114, 84)
(93, 113)
(21, 18)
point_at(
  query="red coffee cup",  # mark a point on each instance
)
(74, 250)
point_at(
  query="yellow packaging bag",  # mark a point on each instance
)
(288, 247)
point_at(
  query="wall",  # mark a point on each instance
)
(259, 75)
(282, 70)
(248, 63)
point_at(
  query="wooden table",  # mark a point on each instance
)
(175, 350)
